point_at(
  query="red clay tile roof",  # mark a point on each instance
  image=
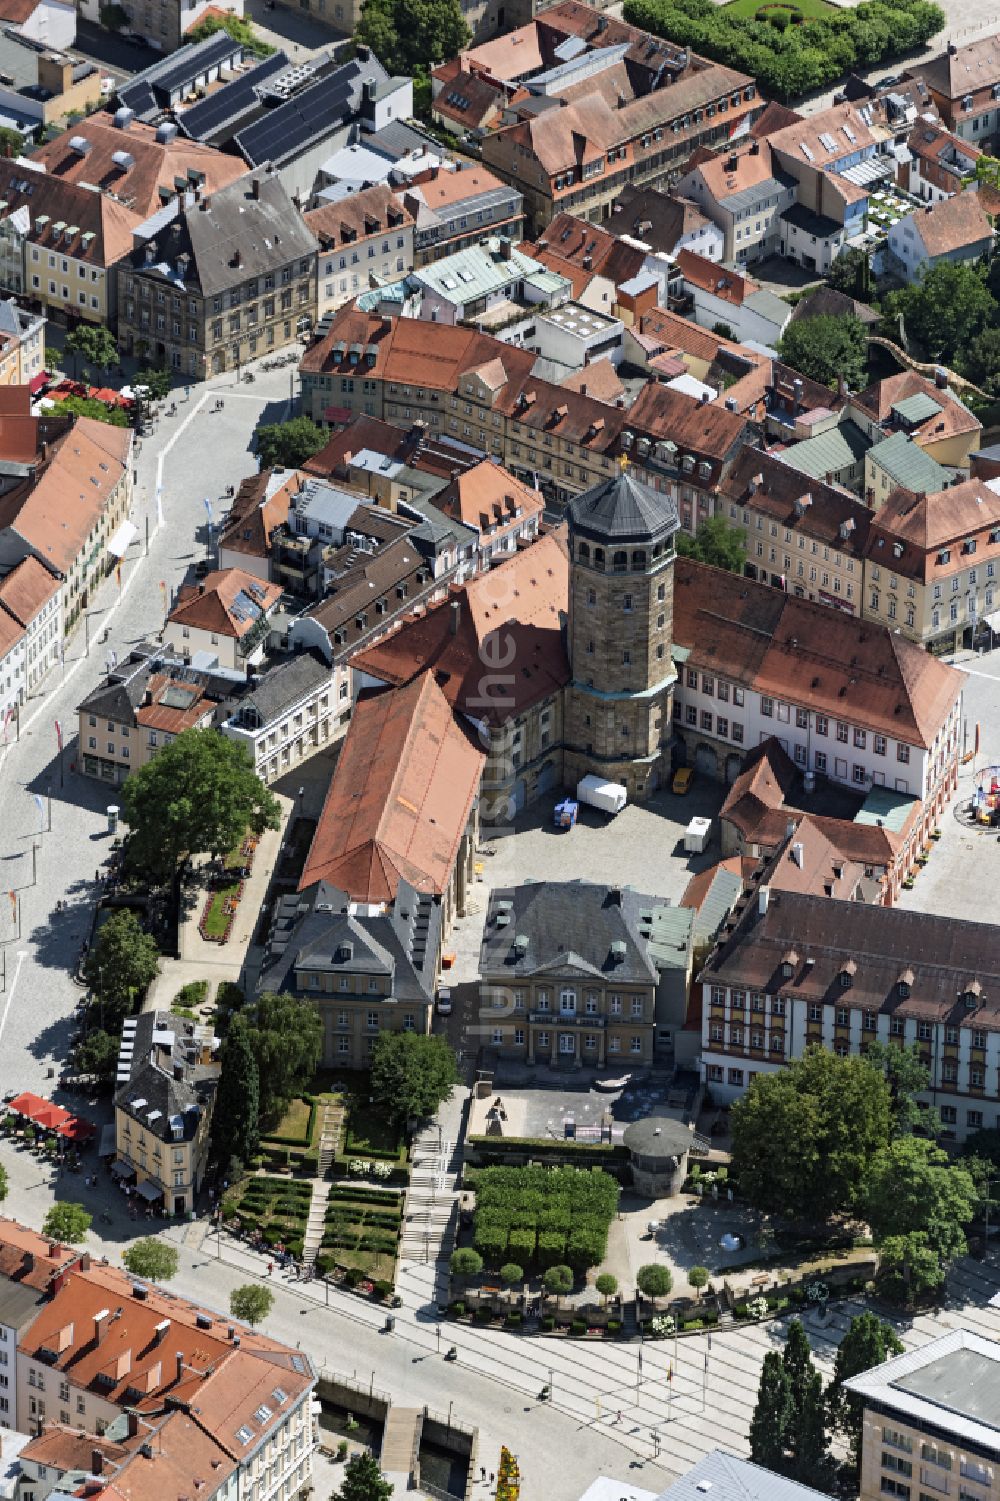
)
(400, 798)
(763, 482)
(599, 380)
(834, 664)
(358, 216)
(951, 224)
(927, 527)
(704, 429)
(27, 589)
(254, 514)
(466, 98)
(812, 862)
(878, 400)
(57, 514)
(709, 276)
(521, 604)
(758, 794)
(213, 605)
(65, 1448)
(486, 496)
(31, 1259)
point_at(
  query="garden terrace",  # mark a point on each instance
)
(361, 1229)
(277, 1207)
(543, 1216)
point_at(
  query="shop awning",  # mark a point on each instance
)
(38, 381)
(149, 1191)
(122, 1168)
(123, 539)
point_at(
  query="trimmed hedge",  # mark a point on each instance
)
(544, 1216)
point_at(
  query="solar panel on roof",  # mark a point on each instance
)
(232, 101)
(284, 131)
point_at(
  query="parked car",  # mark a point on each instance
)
(683, 778)
(444, 1000)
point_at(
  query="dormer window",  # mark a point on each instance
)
(788, 962)
(904, 985)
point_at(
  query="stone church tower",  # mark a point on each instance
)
(621, 590)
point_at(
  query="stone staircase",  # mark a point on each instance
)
(314, 1224)
(432, 1198)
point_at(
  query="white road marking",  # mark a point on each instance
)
(22, 954)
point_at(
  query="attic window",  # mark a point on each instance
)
(245, 1434)
(847, 973)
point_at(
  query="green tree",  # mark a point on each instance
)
(868, 1342)
(11, 141)
(912, 1186)
(980, 362)
(67, 1223)
(944, 311)
(715, 542)
(465, 1262)
(698, 1278)
(3, 1183)
(797, 1361)
(607, 1285)
(121, 965)
(909, 1265)
(851, 274)
(908, 1076)
(653, 1280)
(287, 445)
(151, 1258)
(511, 1274)
(285, 1036)
(157, 381)
(803, 1137)
(97, 411)
(363, 1481)
(94, 344)
(823, 348)
(239, 29)
(811, 1461)
(558, 1281)
(97, 1054)
(412, 1075)
(252, 1303)
(199, 794)
(724, 330)
(407, 35)
(236, 1117)
(769, 1424)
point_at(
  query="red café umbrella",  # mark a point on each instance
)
(49, 1118)
(75, 1129)
(27, 1104)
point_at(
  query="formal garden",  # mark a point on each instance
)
(226, 889)
(538, 1217)
(361, 1232)
(270, 1212)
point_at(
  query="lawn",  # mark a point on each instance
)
(370, 1134)
(810, 10)
(361, 1229)
(294, 1124)
(277, 1207)
(217, 918)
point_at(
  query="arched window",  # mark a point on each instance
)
(638, 560)
(621, 562)
(583, 552)
(599, 557)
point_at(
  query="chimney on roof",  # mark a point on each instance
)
(160, 1332)
(456, 615)
(178, 1070)
(615, 896)
(941, 379)
(28, 1263)
(84, 1260)
(755, 149)
(179, 1357)
(96, 1462)
(203, 204)
(763, 897)
(133, 1423)
(952, 49)
(101, 1325)
(255, 187)
(797, 853)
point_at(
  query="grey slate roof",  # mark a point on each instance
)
(623, 509)
(316, 928)
(267, 232)
(570, 927)
(281, 688)
(152, 1080)
(723, 1477)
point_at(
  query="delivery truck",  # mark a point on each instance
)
(610, 797)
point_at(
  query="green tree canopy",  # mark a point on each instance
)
(797, 1361)
(654, 1280)
(11, 141)
(944, 311)
(607, 1285)
(97, 1054)
(823, 348)
(67, 1223)
(412, 1075)
(363, 1481)
(980, 361)
(94, 345)
(412, 35)
(287, 445)
(151, 1258)
(97, 411)
(698, 1277)
(851, 274)
(252, 1303)
(908, 1076)
(156, 379)
(3, 1183)
(769, 1424)
(511, 1274)
(909, 1265)
(912, 1185)
(236, 1117)
(239, 29)
(558, 1281)
(715, 542)
(803, 1137)
(811, 1463)
(285, 1036)
(199, 794)
(868, 1342)
(466, 1262)
(121, 965)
